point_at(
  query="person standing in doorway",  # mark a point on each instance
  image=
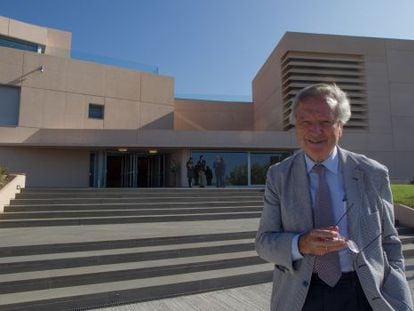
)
(190, 171)
(219, 170)
(209, 175)
(201, 168)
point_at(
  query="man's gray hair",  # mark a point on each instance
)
(336, 99)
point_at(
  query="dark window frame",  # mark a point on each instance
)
(96, 111)
(21, 44)
(16, 114)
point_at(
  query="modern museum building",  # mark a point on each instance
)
(66, 122)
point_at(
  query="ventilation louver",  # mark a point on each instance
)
(300, 69)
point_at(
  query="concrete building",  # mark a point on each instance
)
(71, 123)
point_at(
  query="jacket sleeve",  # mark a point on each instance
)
(272, 243)
(394, 288)
(390, 240)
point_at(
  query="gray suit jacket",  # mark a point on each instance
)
(287, 211)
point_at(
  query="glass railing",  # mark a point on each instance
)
(127, 64)
(100, 59)
(105, 60)
(216, 97)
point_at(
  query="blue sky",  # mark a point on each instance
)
(210, 47)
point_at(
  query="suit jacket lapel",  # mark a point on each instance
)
(301, 194)
(353, 183)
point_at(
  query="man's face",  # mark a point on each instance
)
(317, 131)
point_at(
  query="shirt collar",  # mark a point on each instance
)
(331, 163)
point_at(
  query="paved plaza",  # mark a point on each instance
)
(249, 298)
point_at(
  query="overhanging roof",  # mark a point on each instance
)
(20, 136)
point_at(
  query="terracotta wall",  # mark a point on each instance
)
(202, 115)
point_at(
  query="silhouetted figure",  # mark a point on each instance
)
(201, 169)
(219, 171)
(209, 175)
(190, 171)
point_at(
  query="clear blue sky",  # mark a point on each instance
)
(210, 47)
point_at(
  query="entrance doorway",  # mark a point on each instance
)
(116, 170)
(128, 169)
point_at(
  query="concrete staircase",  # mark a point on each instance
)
(76, 249)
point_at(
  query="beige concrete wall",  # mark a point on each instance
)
(266, 84)
(27, 32)
(61, 138)
(267, 99)
(390, 90)
(48, 167)
(212, 115)
(11, 66)
(59, 96)
(56, 42)
(400, 61)
(404, 215)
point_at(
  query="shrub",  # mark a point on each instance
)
(3, 176)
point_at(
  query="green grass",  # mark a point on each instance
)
(403, 194)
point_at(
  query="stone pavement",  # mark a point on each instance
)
(249, 298)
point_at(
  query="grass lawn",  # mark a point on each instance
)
(403, 194)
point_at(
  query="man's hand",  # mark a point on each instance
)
(321, 241)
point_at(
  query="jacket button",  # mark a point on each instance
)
(305, 283)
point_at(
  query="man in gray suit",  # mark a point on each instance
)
(328, 222)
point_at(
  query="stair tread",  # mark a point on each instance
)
(161, 263)
(72, 234)
(31, 296)
(127, 212)
(154, 217)
(120, 251)
(122, 220)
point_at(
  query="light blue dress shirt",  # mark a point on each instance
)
(336, 186)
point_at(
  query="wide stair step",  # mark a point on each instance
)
(83, 271)
(81, 207)
(84, 275)
(79, 249)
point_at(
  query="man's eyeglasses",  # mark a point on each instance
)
(351, 244)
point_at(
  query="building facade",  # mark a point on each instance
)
(72, 123)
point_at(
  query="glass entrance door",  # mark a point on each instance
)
(151, 172)
(121, 170)
(126, 169)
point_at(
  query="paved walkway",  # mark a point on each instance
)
(250, 298)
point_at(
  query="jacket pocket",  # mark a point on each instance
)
(394, 287)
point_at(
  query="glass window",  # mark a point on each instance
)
(260, 162)
(21, 45)
(9, 105)
(96, 111)
(234, 170)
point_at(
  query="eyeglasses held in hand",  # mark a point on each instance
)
(352, 246)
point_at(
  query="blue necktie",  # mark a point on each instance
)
(327, 266)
